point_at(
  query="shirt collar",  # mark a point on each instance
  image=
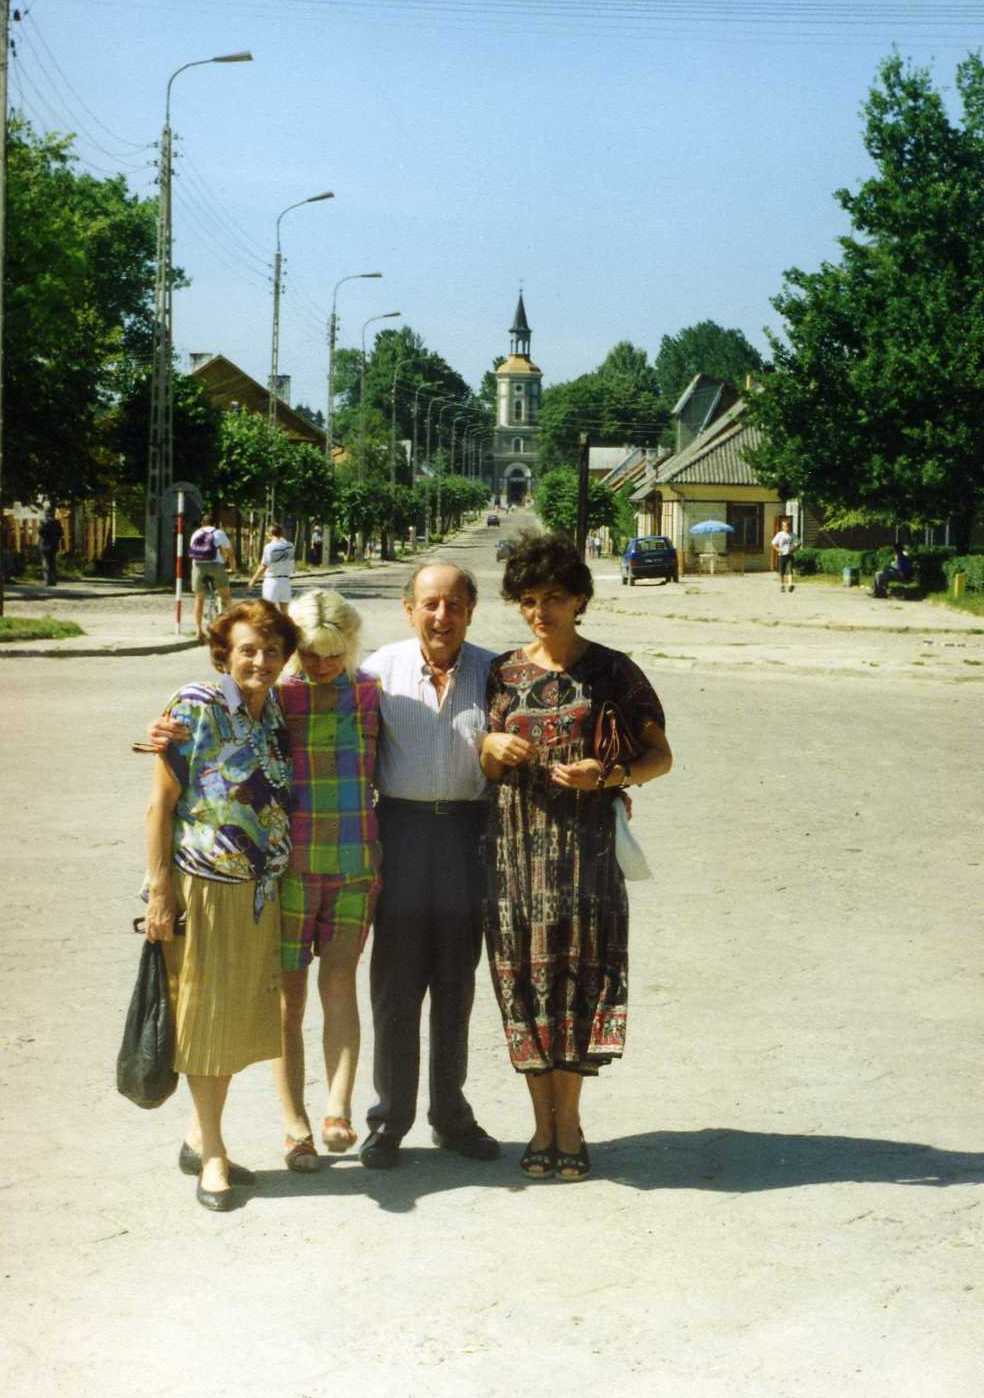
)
(233, 696)
(426, 670)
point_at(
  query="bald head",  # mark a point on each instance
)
(439, 599)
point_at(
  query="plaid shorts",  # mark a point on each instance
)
(315, 908)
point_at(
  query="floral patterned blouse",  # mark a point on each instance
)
(232, 821)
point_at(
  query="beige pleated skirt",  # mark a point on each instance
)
(224, 978)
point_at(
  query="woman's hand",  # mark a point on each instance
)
(164, 731)
(159, 921)
(580, 776)
(508, 749)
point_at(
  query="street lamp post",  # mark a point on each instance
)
(438, 398)
(160, 450)
(396, 370)
(332, 338)
(387, 315)
(274, 394)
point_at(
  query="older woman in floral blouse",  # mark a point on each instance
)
(218, 841)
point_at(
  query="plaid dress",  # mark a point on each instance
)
(333, 877)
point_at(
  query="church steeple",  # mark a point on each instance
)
(519, 331)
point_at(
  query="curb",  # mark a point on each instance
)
(110, 648)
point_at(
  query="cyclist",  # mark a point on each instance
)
(211, 559)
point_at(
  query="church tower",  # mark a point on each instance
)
(517, 413)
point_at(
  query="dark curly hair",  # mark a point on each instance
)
(539, 559)
(267, 619)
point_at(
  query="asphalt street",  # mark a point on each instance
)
(786, 1199)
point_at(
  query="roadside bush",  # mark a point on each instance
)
(806, 561)
(970, 563)
(834, 561)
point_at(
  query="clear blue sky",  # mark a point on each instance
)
(638, 165)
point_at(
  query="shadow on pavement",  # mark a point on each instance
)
(730, 1162)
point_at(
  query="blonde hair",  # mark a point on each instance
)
(328, 625)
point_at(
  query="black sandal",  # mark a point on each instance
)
(539, 1164)
(577, 1166)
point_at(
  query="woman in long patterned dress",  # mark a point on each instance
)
(556, 911)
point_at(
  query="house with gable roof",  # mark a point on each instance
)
(707, 477)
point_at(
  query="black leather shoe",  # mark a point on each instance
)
(473, 1143)
(190, 1163)
(220, 1201)
(379, 1151)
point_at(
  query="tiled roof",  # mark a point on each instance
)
(717, 456)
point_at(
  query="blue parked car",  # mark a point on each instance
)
(650, 557)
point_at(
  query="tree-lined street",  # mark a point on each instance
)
(787, 1162)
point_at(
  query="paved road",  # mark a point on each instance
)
(788, 1164)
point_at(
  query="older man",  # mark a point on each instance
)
(427, 930)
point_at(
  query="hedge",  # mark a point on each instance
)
(929, 562)
(970, 563)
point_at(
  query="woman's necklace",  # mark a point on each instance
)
(251, 732)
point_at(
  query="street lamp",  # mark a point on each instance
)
(274, 396)
(396, 370)
(277, 288)
(332, 336)
(387, 315)
(160, 452)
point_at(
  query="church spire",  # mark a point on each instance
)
(519, 331)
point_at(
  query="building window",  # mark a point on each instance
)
(746, 521)
(518, 410)
(517, 444)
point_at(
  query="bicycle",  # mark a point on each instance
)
(212, 610)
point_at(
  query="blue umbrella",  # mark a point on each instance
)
(711, 526)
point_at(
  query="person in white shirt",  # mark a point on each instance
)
(276, 565)
(785, 543)
(427, 933)
(210, 551)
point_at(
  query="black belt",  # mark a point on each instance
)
(437, 808)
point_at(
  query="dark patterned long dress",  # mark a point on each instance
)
(556, 914)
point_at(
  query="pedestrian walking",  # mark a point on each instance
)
(556, 913)
(427, 934)
(785, 543)
(316, 546)
(218, 841)
(277, 565)
(50, 536)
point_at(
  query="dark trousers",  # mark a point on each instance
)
(49, 566)
(427, 936)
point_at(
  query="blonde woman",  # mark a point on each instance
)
(329, 893)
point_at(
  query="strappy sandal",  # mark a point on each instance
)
(337, 1134)
(576, 1166)
(300, 1155)
(539, 1164)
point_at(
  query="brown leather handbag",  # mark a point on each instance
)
(613, 741)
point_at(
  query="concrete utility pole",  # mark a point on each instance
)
(4, 43)
(160, 454)
(581, 538)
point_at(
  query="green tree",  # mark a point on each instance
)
(704, 348)
(195, 425)
(78, 295)
(619, 402)
(876, 402)
(555, 499)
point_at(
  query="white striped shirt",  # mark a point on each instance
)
(429, 745)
